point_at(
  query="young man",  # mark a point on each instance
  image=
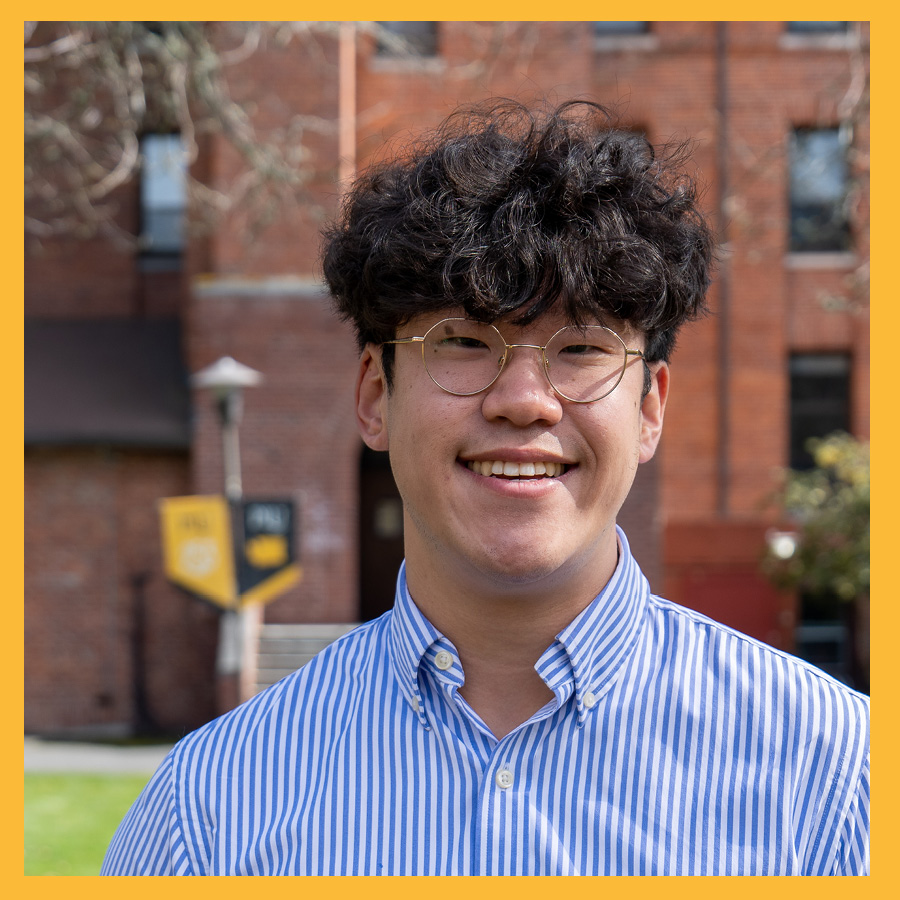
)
(528, 706)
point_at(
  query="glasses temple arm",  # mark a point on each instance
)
(408, 340)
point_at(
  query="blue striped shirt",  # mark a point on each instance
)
(673, 745)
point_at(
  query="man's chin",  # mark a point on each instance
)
(520, 566)
(543, 567)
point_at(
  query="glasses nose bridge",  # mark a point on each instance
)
(533, 346)
(542, 352)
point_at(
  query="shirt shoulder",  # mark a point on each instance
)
(246, 752)
(811, 727)
(730, 651)
(341, 669)
(702, 622)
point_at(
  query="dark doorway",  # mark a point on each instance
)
(380, 535)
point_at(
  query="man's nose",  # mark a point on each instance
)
(522, 394)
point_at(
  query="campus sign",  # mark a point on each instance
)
(231, 556)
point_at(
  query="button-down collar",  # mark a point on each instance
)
(583, 659)
(589, 652)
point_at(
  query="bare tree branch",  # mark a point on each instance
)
(93, 88)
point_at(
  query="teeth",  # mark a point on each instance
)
(516, 470)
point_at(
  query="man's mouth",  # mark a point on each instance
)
(499, 468)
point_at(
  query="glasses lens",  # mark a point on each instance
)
(585, 363)
(461, 356)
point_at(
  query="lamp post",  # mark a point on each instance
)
(227, 379)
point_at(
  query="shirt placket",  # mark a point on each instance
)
(500, 799)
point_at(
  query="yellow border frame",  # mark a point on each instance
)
(885, 53)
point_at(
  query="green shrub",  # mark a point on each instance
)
(827, 508)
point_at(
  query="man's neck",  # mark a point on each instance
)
(501, 630)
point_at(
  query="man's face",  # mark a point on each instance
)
(504, 532)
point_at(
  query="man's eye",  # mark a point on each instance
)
(584, 350)
(461, 342)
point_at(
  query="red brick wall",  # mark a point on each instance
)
(290, 91)
(713, 567)
(775, 306)
(91, 527)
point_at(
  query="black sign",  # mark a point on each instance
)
(266, 551)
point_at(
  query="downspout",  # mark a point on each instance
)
(724, 279)
(346, 104)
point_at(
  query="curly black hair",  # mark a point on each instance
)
(506, 211)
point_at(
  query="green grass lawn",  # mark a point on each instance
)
(70, 819)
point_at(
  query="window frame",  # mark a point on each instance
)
(830, 389)
(824, 218)
(419, 46)
(167, 254)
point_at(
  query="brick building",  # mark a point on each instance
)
(776, 111)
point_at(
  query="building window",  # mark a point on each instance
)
(401, 39)
(817, 27)
(820, 401)
(823, 637)
(818, 191)
(820, 405)
(163, 195)
(614, 29)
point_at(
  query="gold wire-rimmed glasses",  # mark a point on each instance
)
(464, 357)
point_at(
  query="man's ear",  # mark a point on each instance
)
(371, 399)
(653, 408)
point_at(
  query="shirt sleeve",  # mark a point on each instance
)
(149, 841)
(853, 855)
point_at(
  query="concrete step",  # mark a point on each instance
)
(284, 648)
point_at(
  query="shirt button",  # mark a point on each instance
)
(415, 703)
(590, 701)
(504, 779)
(443, 660)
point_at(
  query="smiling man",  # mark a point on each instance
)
(528, 706)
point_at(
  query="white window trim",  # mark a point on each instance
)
(827, 259)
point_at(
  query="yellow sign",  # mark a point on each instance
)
(272, 586)
(197, 547)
